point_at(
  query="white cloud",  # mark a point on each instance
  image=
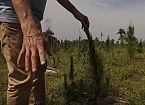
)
(102, 4)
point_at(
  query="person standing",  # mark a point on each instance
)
(24, 46)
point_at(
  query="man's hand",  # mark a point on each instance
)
(83, 19)
(33, 52)
(34, 43)
(77, 14)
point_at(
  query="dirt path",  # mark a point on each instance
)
(112, 101)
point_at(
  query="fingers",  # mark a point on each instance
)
(30, 57)
(34, 59)
(28, 60)
(33, 53)
(41, 52)
(85, 23)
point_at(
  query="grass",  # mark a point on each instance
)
(3, 85)
(126, 81)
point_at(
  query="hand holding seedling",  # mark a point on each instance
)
(83, 19)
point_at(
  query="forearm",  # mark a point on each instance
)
(69, 6)
(23, 11)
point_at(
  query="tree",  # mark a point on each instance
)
(101, 36)
(122, 34)
(112, 41)
(140, 46)
(53, 43)
(108, 43)
(130, 38)
(131, 41)
(96, 41)
(48, 33)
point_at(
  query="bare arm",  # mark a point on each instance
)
(23, 11)
(77, 14)
(34, 43)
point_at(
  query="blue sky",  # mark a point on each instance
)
(105, 16)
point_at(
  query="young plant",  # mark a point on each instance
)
(140, 46)
(96, 67)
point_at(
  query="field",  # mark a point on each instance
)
(123, 79)
(92, 72)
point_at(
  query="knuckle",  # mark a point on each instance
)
(33, 56)
(41, 53)
(34, 66)
(27, 56)
(27, 65)
(41, 50)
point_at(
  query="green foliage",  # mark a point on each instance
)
(82, 82)
(96, 68)
(3, 85)
(108, 44)
(140, 46)
(124, 81)
(48, 32)
(53, 43)
(130, 38)
(122, 33)
(131, 41)
(71, 74)
(101, 36)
